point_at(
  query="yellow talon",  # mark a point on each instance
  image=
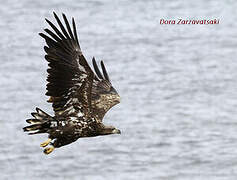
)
(45, 143)
(48, 150)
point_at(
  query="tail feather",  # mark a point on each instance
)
(37, 132)
(34, 121)
(40, 123)
(32, 127)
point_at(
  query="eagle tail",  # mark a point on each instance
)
(39, 124)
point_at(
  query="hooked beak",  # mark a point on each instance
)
(116, 131)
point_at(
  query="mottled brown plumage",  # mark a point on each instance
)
(80, 97)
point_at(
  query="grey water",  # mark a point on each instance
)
(178, 88)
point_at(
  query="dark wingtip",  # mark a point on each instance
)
(93, 61)
(37, 109)
(25, 129)
(43, 36)
(33, 114)
(97, 71)
(75, 31)
(48, 21)
(104, 71)
(54, 13)
(28, 121)
(63, 15)
(55, 16)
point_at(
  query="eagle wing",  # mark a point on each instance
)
(69, 78)
(74, 89)
(103, 95)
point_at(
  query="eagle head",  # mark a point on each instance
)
(106, 130)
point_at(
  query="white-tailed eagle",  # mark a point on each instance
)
(80, 97)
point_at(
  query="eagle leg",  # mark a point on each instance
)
(48, 150)
(44, 144)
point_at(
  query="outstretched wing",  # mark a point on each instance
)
(69, 76)
(103, 95)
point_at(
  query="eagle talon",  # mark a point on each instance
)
(48, 150)
(44, 144)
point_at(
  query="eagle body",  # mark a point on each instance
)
(80, 97)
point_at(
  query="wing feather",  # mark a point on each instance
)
(75, 32)
(69, 75)
(55, 29)
(74, 89)
(61, 26)
(106, 76)
(102, 91)
(96, 69)
(68, 27)
(56, 38)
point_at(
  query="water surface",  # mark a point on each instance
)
(177, 84)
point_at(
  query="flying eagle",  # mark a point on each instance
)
(80, 98)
